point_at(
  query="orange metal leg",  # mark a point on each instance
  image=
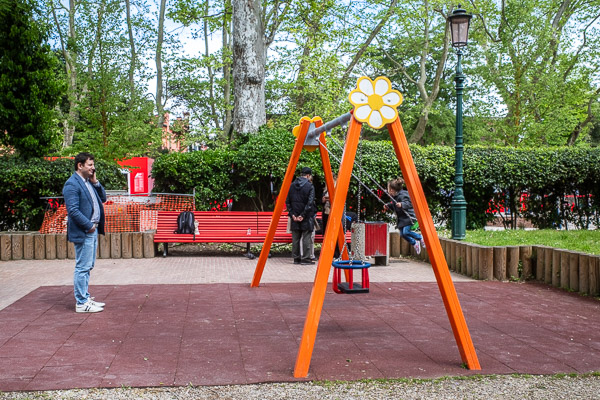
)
(434, 249)
(331, 190)
(283, 192)
(317, 296)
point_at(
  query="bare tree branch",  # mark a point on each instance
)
(580, 49)
(581, 125)
(401, 67)
(366, 44)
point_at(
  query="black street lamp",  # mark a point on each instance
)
(459, 28)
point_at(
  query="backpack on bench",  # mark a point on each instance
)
(185, 223)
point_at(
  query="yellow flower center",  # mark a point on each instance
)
(375, 102)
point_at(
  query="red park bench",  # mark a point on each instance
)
(225, 227)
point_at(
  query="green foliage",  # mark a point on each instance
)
(115, 118)
(262, 158)
(29, 88)
(494, 178)
(542, 102)
(114, 128)
(208, 172)
(23, 182)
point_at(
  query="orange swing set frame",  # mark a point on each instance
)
(334, 235)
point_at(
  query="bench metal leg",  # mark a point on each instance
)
(248, 253)
(165, 249)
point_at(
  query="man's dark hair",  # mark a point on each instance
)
(81, 158)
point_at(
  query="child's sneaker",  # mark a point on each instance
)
(422, 244)
(417, 247)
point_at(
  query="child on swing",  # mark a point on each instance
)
(405, 213)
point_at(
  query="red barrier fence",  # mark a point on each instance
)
(123, 213)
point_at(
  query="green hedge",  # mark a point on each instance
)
(209, 172)
(252, 169)
(22, 183)
(494, 177)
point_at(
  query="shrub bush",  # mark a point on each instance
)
(493, 178)
(24, 182)
(252, 170)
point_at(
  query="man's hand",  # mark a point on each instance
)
(297, 218)
(93, 179)
(92, 230)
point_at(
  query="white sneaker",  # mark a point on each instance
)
(88, 307)
(423, 244)
(417, 247)
(96, 303)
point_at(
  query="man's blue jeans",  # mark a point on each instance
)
(85, 257)
(409, 235)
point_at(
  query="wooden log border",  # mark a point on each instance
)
(36, 246)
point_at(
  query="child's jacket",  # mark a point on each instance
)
(406, 214)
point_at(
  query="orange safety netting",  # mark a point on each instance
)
(123, 213)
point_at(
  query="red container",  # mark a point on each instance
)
(376, 236)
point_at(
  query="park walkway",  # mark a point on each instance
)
(194, 319)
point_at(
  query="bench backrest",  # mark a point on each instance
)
(224, 226)
(211, 225)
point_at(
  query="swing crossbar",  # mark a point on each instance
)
(314, 133)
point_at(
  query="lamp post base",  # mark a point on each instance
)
(459, 219)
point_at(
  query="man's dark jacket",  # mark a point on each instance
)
(80, 208)
(299, 202)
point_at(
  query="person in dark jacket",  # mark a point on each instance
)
(405, 214)
(300, 204)
(84, 196)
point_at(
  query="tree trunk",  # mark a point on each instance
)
(70, 56)
(92, 53)
(301, 98)
(248, 66)
(419, 131)
(158, 58)
(582, 124)
(211, 76)
(228, 121)
(133, 53)
(428, 97)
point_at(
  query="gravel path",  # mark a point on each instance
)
(479, 387)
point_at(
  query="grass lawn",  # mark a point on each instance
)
(576, 240)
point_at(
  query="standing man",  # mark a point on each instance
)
(299, 202)
(84, 196)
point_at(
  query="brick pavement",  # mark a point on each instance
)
(21, 277)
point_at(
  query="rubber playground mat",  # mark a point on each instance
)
(217, 334)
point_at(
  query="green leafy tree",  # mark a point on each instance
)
(539, 68)
(29, 86)
(202, 84)
(103, 45)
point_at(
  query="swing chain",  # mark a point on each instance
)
(355, 177)
(358, 243)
